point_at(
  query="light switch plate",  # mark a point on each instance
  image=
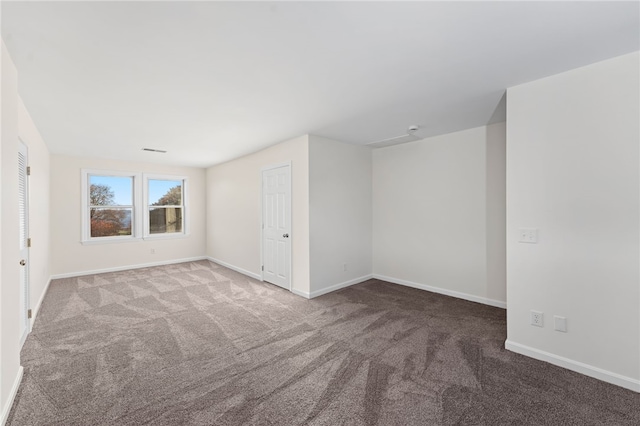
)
(528, 235)
(560, 323)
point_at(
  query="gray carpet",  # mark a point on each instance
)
(199, 344)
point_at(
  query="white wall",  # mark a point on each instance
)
(234, 213)
(3, 76)
(10, 370)
(438, 214)
(573, 172)
(70, 257)
(340, 217)
(39, 203)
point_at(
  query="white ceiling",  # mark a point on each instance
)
(211, 81)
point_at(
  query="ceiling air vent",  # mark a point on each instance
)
(393, 141)
(397, 140)
(154, 150)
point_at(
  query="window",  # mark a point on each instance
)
(110, 201)
(115, 207)
(164, 205)
(110, 206)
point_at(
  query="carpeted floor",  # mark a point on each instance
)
(199, 344)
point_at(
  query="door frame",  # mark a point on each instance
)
(289, 203)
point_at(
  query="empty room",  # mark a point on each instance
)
(320, 213)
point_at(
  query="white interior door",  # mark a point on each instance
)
(276, 226)
(23, 206)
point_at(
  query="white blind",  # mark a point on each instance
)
(22, 194)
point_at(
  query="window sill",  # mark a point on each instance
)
(165, 236)
(107, 240)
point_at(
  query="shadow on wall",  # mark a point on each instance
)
(496, 208)
(500, 113)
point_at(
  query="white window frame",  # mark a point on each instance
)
(140, 207)
(185, 209)
(136, 221)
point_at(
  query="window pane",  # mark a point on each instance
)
(110, 190)
(165, 219)
(110, 222)
(165, 192)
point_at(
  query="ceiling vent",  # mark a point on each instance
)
(162, 151)
(397, 140)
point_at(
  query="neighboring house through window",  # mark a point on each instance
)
(164, 205)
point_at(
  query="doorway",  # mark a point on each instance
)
(276, 225)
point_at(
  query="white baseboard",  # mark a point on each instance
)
(124, 268)
(254, 276)
(578, 367)
(12, 395)
(301, 293)
(459, 295)
(235, 268)
(339, 286)
(36, 309)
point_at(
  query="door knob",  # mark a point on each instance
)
(23, 262)
(286, 235)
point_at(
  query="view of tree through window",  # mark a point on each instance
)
(132, 205)
(165, 206)
(110, 205)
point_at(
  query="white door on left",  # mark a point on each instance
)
(23, 208)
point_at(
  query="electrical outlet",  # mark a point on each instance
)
(344, 267)
(537, 318)
(560, 323)
(528, 235)
(153, 251)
